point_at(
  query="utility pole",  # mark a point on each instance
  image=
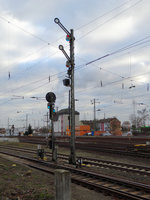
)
(94, 102)
(26, 121)
(34, 124)
(8, 123)
(38, 124)
(72, 154)
(69, 110)
(71, 64)
(134, 113)
(104, 115)
(94, 116)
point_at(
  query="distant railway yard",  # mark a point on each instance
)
(107, 167)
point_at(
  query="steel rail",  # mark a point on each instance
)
(111, 185)
(138, 169)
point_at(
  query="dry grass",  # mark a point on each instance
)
(19, 182)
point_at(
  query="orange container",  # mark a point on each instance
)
(79, 130)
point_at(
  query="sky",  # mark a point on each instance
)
(112, 64)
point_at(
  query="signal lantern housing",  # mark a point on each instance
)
(66, 82)
(69, 72)
(50, 97)
(68, 38)
(67, 63)
(50, 106)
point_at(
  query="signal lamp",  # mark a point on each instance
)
(68, 38)
(67, 63)
(48, 105)
(51, 110)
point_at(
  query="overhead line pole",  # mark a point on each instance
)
(72, 155)
(72, 158)
(69, 111)
(26, 121)
(94, 116)
(94, 102)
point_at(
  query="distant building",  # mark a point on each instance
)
(112, 125)
(15, 132)
(61, 121)
(2, 130)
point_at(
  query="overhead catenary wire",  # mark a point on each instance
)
(111, 53)
(8, 21)
(110, 19)
(41, 39)
(35, 82)
(139, 42)
(31, 34)
(103, 15)
(59, 96)
(107, 84)
(132, 45)
(82, 67)
(25, 31)
(79, 67)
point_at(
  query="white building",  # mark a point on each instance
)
(61, 121)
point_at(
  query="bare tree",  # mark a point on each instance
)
(143, 115)
(140, 119)
(126, 125)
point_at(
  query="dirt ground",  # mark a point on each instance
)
(19, 182)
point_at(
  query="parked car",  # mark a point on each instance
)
(127, 134)
(106, 134)
(88, 134)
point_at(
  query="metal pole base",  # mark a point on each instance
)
(72, 159)
(54, 155)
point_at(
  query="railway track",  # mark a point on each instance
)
(114, 145)
(107, 149)
(91, 162)
(102, 183)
